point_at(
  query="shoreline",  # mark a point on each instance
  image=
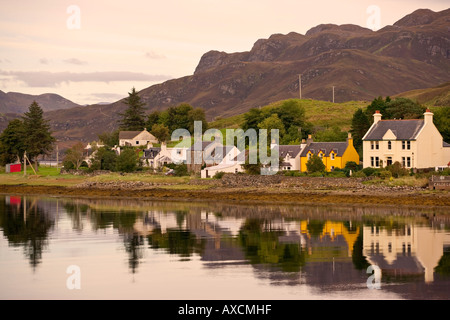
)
(259, 195)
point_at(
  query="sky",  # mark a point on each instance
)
(97, 51)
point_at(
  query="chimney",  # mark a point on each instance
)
(309, 140)
(428, 116)
(349, 139)
(163, 146)
(376, 116)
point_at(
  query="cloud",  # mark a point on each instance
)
(153, 55)
(44, 61)
(53, 79)
(75, 61)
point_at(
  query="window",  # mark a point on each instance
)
(309, 156)
(374, 161)
(332, 168)
(332, 156)
(389, 145)
(406, 162)
(406, 145)
(377, 145)
(137, 142)
(321, 155)
(374, 145)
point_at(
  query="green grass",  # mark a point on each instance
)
(321, 113)
(408, 181)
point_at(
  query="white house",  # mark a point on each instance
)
(136, 138)
(156, 157)
(290, 155)
(231, 161)
(414, 143)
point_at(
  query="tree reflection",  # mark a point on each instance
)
(26, 225)
(263, 247)
(176, 241)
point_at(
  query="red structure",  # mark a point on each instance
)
(13, 168)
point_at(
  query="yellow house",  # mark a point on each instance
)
(333, 154)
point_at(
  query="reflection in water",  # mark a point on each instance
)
(326, 248)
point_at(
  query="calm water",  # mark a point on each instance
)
(52, 248)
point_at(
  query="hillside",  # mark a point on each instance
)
(361, 64)
(14, 102)
(435, 96)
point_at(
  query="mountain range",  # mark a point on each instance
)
(361, 64)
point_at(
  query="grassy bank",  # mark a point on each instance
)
(406, 191)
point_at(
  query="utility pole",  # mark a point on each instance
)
(333, 94)
(57, 158)
(25, 163)
(300, 85)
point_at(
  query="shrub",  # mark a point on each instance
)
(369, 171)
(219, 175)
(127, 161)
(385, 174)
(397, 170)
(180, 170)
(315, 164)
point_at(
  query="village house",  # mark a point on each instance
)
(136, 138)
(156, 157)
(290, 156)
(333, 154)
(231, 163)
(414, 143)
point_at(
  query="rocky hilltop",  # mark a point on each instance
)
(361, 64)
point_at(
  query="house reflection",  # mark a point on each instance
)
(411, 250)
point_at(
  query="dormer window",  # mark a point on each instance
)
(389, 145)
(332, 156)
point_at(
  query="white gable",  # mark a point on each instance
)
(390, 135)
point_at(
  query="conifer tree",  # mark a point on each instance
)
(133, 119)
(38, 139)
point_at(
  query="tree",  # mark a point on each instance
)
(442, 122)
(12, 142)
(272, 122)
(360, 125)
(38, 139)
(315, 164)
(252, 118)
(161, 132)
(403, 108)
(153, 118)
(378, 104)
(75, 155)
(127, 161)
(197, 114)
(133, 119)
(331, 134)
(104, 159)
(109, 139)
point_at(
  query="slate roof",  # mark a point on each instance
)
(326, 147)
(445, 144)
(403, 129)
(292, 150)
(128, 134)
(151, 153)
(200, 146)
